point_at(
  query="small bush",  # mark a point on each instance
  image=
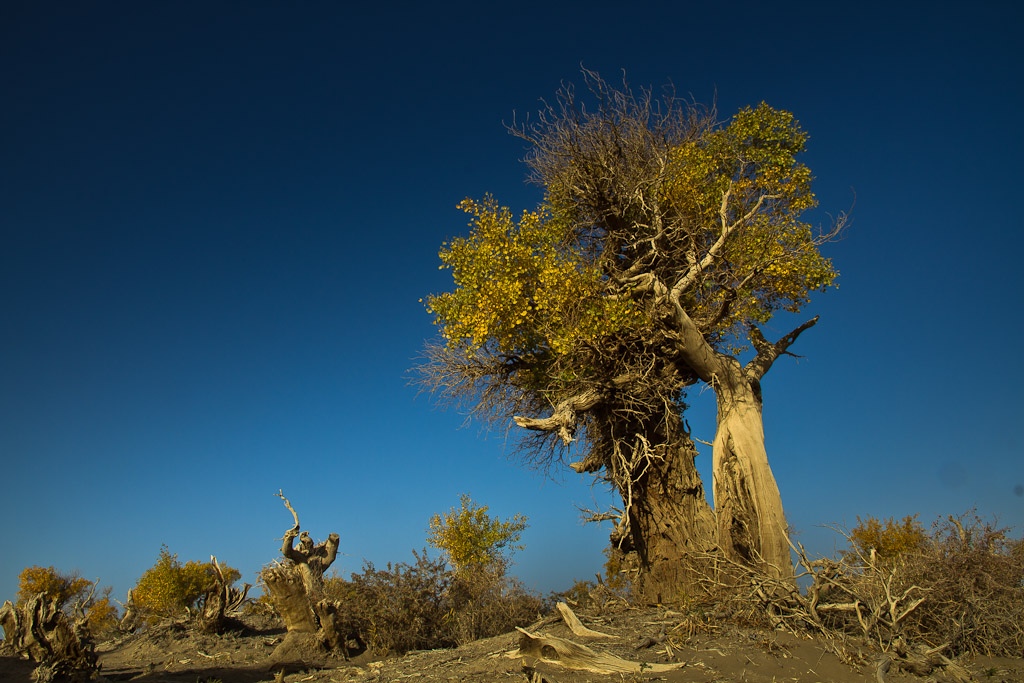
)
(426, 605)
(71, 593)
(469, 537)
(972, 575)
(960, 585)
(396, 609)
(102, 616)
(171, 589)
(484, 602)
(889, 540)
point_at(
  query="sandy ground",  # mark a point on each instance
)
(649, 636)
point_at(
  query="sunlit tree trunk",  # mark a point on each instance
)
(748, 506)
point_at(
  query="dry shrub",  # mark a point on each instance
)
(958, 589)
(396, 609)
(484, 602)
(972, 579)
(425, 605)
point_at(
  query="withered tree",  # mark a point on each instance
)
(665, 239)
(295, 586)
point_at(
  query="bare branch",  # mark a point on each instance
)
(563, 419)
(287, 504)
(767, 353)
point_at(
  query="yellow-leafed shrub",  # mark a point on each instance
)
(72, 594)
(469, 537)
(170, 588)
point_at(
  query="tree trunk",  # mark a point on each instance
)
(296, 589)
(61, 647)
(649, 459)
(748, 506)
(670, 520)
(288, 593)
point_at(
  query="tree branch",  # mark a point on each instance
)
(690, 277)
(563, 418)
(767, 352)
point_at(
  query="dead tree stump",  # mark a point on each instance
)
(295, 587)
(60, 646)
(221, 602)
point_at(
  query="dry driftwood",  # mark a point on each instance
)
(922, 661)
(577, 627)
(575, 656)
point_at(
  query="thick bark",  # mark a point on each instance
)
(287, 590)
(748, 507)
(670, 520)
(650, 462)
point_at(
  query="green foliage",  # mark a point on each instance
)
(170, 588)
(470, 538)
(890, 540)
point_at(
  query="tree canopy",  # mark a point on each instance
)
(707, 214)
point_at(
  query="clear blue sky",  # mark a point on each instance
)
(218, 219)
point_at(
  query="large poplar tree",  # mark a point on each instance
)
(664, 240)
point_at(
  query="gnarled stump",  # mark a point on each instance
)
(61, 647)
(295, 587)
(221, 602)
(291, 599)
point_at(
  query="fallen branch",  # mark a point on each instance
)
(580, 657)
(576, 626)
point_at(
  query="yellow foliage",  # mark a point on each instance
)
(770, 260)
(890, 539)
(522, 286)
(67, 589)
(102, 615)
(170, 588)
(63, 587)
(472, 539)
(547, 282)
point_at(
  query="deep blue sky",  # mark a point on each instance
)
(218, 219)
